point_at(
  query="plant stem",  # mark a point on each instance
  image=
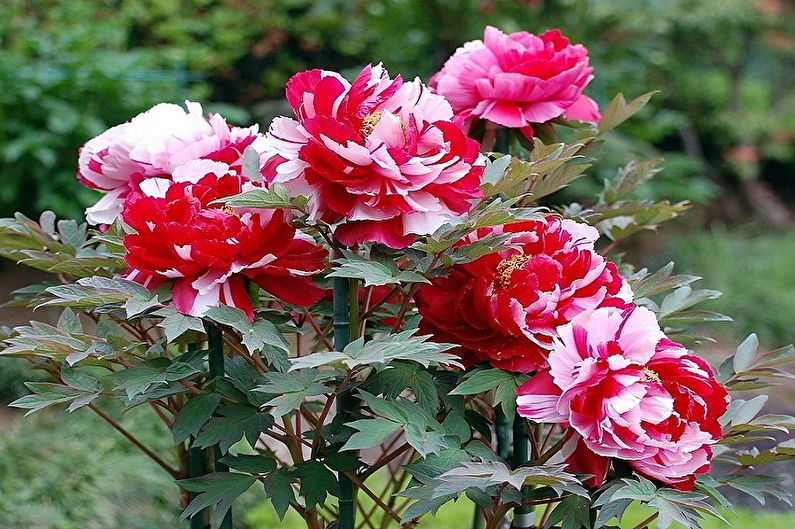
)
(215, 343)
(502, 143)
(645, 523)
(130, 437)
(342, 335)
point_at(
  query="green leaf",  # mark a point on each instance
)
(80, 381)
(742, 411)
(619, 111)
(316, 483)
(572, 513)
(91, 292)
(255, 336)
(46, 394)
(139, 304)
(683, 298)
(757, 486)
(380, 352)
(176, 324)
(628, 179)
(290, 390)
(251, 165)
(371, 432)
(194, 415)
(218, 489)
(251, 464)
(234, 421)
(745, 354)
(275, 197)
(398, 377)
(70, 322)
(278, 487)
(482, 380)
(373, 272)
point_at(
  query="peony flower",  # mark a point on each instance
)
(380, 154)
(518, 79)
(630, 393)
(698, 402)
(153, 144)
(505, 307)
(208, 250)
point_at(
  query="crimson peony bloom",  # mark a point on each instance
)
(207, 249)
(153, 144)
(630, 393)
(518, 79)
(380, 154)
(505, 307)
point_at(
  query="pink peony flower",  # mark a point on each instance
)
(207, 249)
(505, 307)
(518, 79)
(154, 144)
(380, 154)
(630, 393)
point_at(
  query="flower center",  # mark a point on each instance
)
(506, 267)
(369, 122)
(650, 376)
(230, 211)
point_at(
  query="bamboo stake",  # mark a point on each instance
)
(215, 343)
(345, 401)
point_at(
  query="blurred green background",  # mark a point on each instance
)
(724, 120)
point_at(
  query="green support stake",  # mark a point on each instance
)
(196, 470)
(503, 431)
(215, 343)
(523, 517)
(345, 401)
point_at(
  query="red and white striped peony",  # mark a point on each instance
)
(152, 145)
(380, 154)
(630, 393)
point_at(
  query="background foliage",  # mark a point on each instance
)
(724, 68)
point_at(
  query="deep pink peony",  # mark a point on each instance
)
(207, 249)
(518, 79)
(380, 154)
(630, 393)
(505, 307)
(153, 144)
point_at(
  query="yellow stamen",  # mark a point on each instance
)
(650, 376)
(369, 122)
(508, 266)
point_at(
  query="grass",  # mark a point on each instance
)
(754, 271)
(458, 515)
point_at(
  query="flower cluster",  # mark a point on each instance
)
(629, 393)
(166, 172)
(380, 154)
(518, 79)
(381, 160)
(504, 308)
